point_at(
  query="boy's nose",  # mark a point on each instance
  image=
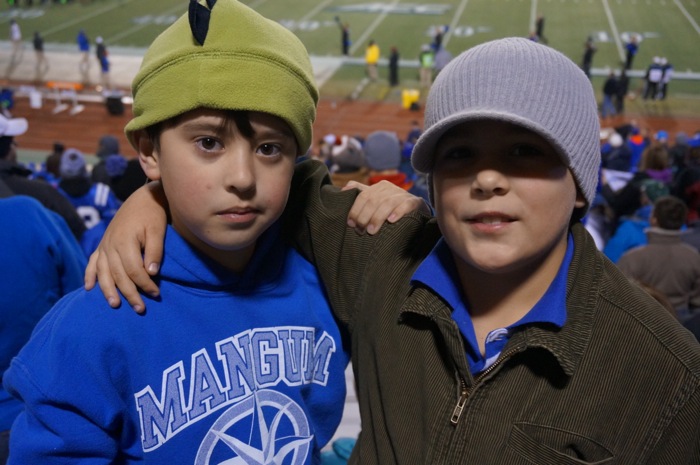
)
(240, 172)
(489, 182)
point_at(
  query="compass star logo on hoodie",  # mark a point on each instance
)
(266, 428)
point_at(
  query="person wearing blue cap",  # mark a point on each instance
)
(662, 137)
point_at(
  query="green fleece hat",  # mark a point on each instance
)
(223, 55)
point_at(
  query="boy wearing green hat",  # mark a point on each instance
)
(498, 333)
(240, 359)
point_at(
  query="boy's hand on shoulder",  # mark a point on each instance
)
(379, 203)
(139, 225)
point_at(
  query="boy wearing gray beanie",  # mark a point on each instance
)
(497, 333)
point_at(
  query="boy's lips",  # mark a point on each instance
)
(490, 218)
(239, 214)
(490, 221)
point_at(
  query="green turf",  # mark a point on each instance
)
(668, 28)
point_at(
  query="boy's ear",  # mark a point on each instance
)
(147, 155)
(580, 200)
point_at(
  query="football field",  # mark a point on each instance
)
(664, 28)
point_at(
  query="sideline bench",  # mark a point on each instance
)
(68, 90)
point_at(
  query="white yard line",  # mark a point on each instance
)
(316, 10)
(533, 15)
(368, 32)
(613, 26)
(69, 24)
(455, 20)
(687, 15)
(127, 32)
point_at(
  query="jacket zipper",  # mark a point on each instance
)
(464, 391)
(463, 395)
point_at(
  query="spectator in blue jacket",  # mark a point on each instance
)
(84, 48)
(41, 262)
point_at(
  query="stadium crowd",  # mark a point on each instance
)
(642, 211)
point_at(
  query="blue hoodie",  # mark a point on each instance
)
(40, 262)
(223, 368)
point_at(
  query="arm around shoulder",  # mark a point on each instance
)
(315, 219)
(139, 225)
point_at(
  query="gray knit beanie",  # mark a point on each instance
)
(518, 81)
(382, 151)
(73, 164)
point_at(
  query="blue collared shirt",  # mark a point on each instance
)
(439, 273)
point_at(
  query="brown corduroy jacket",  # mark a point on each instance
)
(668, 264)
(618, 384)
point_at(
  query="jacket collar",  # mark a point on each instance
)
(567, 344)
(583, 284)
(663, 236)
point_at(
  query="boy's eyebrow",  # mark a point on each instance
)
(219, 127)
(275, 132)
(216, 127)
